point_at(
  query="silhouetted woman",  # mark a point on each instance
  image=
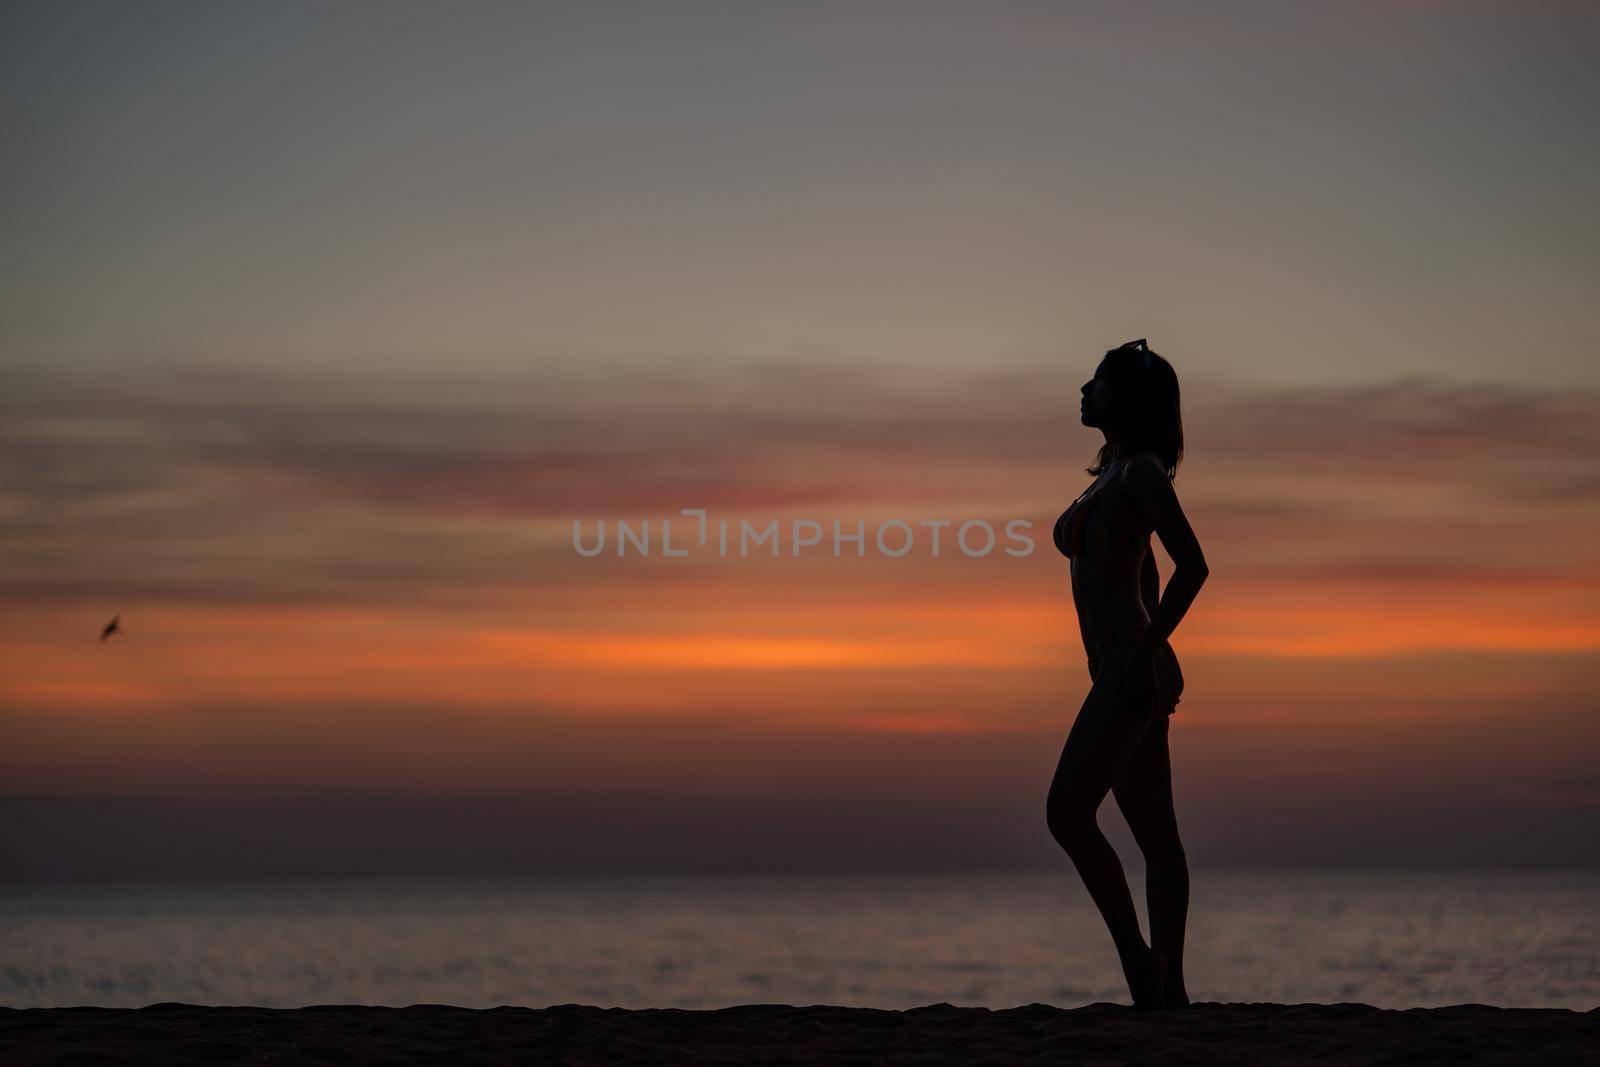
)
(1119, 741)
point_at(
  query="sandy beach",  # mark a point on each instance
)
(775, 1033)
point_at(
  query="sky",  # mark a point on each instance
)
(321, 327)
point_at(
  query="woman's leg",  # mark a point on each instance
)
(1102, 741)
(1144, 793)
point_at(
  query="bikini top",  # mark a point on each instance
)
(1069, 527)
(1072, 525)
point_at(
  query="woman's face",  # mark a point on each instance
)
(1096, 399)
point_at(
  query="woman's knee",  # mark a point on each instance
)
(1161, 847)
(1071, 824)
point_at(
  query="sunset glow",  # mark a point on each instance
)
(309, 378)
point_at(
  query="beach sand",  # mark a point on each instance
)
(779, 1034)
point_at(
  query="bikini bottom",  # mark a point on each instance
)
(1110, 660)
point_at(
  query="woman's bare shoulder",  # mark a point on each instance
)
(1141, 465)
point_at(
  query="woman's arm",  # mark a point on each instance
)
(1153, 490)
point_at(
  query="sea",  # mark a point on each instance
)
(995, 940)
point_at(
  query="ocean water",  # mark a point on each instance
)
(888, 941)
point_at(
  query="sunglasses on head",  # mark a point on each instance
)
(1138, 346)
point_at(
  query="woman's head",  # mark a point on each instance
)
(1133, 400)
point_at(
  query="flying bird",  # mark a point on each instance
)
(111, 628)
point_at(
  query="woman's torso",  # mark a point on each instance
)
(1105, 536)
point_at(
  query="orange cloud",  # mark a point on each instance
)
(325, 598)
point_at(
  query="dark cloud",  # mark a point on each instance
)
(219, 487)
(583, 801)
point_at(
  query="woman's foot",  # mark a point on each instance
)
(1147, 981)
(1173, 995)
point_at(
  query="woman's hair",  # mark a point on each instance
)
(1145, 414)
